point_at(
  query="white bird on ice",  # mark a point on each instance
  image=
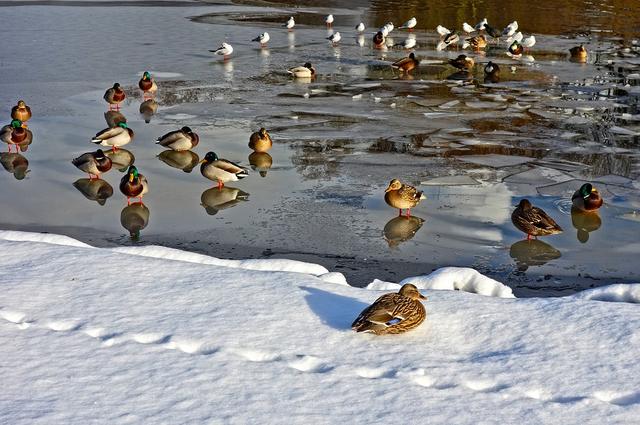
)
(225, 50)
(262, 38)
(410, 24)
(290, 23)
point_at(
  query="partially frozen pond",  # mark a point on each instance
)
(476, 148)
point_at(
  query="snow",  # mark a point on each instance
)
(625, 293)
(148, 335)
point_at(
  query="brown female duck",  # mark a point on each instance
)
(402, 196)
(393, 313)
(114, 96)
(533, 221)
(260, 141)
(478, 42)
(462, 62)
(406, 64)
(578, 53)
(587, 198)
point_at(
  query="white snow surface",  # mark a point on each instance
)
(92, 335)
(627, 293)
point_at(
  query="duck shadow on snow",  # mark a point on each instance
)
(334, 310)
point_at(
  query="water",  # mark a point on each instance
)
(475, 148)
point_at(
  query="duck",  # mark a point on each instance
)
(225, 50)
(114, 96)
(114, 136)
(113, 118)
(133, 185)
(179, 140)
(467, 28)
(260, 162)
(93, 163)
(148, 85)
(587, 198)
(16, 134)
(15, 163)
(360, 27)
(402, 196)
(406, 64)
(462, 62)
(335, 38)
(134, 218)
(290, 23)
(262, 39)
(393, 313)
(304, 71)
(578, 53)
(442, 31)
(379, 39)
(21, 112)
(510, 29)
(478, 42)
(148, 108)
(528, 42)
(328, 20)
(491, 31)
(450, 39)
(533, 220)
(260, 141)
(516, 48)
(221, 170)
(481, 25)
(492, 69)
(409, 25)
(94, 189)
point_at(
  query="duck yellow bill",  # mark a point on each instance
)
(423, 297)
(130, 178)
(202, 161)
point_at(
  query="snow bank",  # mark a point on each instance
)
(10, 235)
(91, 335)
(625, 293)
(452, 278)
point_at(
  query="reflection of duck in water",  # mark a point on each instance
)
(587, 198)
(134, 218)
(16, 134)
(402, 196)
(533, 221)
(93, 163)
(183, 160)
(401, 229)
(532, 253)
(121, 159)
(148, 108)
(462, 62)
(94, 189)
(134, 185)
(113, 118)
(214, 199)
(21, 112)
(578, 53)
(261, 162)
(15, 164)
(585, 222)
(491, 72)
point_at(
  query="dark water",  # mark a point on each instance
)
(475, 148)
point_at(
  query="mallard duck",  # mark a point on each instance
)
(261, 162)
(182, 160)
(179, 140)
(21, 112)
(335, 38)
(587, 198)
(15, 164)
(401, 229)
(402, 196)
(114, 96)
(263, 39)
(148, 86)
(379, 39)
(134, 218)
(478, 42)
(260, 141)
(113, 118)
(214, 200)
(134, 185)
(533, 221)
(467, 28)
(510, 29)
(462, 62)
(393, 313)
(409, 25)
(516, 48)
(304, 71)
(406, 64)
(114, 137)
(221, 170)
(148, 108)
(492, 69)
(225, 50)
(94, 189)
(360, 27)
(578, 53)
(16, 134)
(93, 163)
(290, 23)
(328, 20)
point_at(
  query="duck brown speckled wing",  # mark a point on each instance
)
(390, 314)
(534, 221)
(410, 193)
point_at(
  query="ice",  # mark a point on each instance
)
(495, 160)
(450, 181)
(626, 293)
(159, 74)
(538, 176)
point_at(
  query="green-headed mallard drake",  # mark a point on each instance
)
(578, 53)
(491, 69)
(516, 48)
(179, 140)
(304, 71)
(462, 62)
(134, 218)
(478, 42)
(402, 196)
(93, 163)
(115, 137)
(94, 189)
(16, 134)
(133, 184)
(16, 164)
(393, 313)
(148, 86)
(21, 112)
(587, 198)
(406, 64)
(182, 160)
(114, 96)
(261, 162)
(221, 170)
(148, 108)
(533, 221)
(260, 141)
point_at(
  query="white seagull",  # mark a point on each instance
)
(328, 20)
(467, 28)
(335, 37)
(515, 37)
(290, 23)
(360, 27)
(409, 43)
(529, 41)
(480, 25)
(262, 38)
(442, 31)
(410, 24)
(510, 29)
(225, 50)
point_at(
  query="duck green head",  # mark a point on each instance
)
(123, 125)
(146, 75)
(16, 123)
(586, 189)
(210, 157)
(133, 173)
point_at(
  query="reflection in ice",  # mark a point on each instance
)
(94, 189)
(15, 164)
(183, 160)
(261, 162)
(585, 223)
(148, 108)
(532, 252)
(214, 199)
(134, 218)
(121, 159)
(401, 229)
(113, 118)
